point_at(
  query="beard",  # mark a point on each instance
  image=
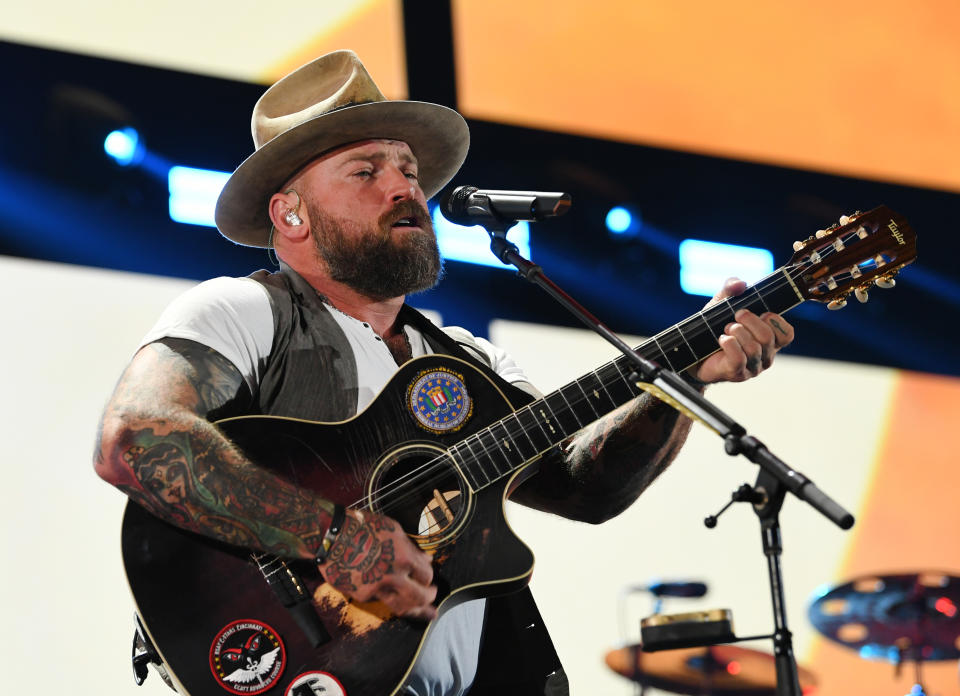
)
(377, 262)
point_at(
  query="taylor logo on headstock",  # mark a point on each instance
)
(895, 231)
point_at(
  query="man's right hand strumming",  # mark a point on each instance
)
(372, 558)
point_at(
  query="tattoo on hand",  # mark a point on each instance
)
(778, 326)
(359, 552)
(753, 364)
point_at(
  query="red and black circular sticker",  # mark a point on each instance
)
(247, 657)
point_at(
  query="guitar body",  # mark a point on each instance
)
(438, 450)
(189, 589)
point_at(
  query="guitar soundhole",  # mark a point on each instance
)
(421, 489)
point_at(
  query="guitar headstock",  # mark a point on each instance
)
(862, 250)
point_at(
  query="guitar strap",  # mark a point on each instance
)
(517, 655)
(442, 342)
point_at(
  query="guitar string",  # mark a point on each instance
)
(438, 465)
(432, 465)
(412, 480)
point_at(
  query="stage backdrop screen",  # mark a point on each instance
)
(868, 89)
(247, 40)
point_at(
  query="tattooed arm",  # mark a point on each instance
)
(156, 444)
(604, 468)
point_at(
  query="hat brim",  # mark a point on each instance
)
(437, 136)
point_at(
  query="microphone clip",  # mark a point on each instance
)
(744, 494)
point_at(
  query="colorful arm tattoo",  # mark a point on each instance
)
(166, 456)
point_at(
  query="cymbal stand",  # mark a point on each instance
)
(917, 688)
(767, 496)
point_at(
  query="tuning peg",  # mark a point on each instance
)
(885, 282)
(861, 294)
(844, 219)
(838, 303)
(820, 234)
(797, 246)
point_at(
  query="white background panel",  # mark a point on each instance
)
(798, 410)
(70, 330)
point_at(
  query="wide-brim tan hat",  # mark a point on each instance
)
(327, 103)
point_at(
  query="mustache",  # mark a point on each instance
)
(406, 209)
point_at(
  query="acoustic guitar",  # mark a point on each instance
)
(439, 450)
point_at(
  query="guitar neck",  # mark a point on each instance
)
(510, 443)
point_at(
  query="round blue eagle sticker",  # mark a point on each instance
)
(439, 400)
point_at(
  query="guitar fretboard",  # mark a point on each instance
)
(528, 432)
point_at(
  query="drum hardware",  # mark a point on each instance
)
(718, 670)
(896, 618)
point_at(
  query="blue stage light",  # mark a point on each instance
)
(619, 220)
(194, 193)
(472, 244)
(124, 146)
(705, 265)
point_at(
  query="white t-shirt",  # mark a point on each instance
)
(233, 317)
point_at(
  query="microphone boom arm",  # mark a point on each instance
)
(774, 474)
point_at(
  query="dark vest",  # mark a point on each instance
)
(311, 356)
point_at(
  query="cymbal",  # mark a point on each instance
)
(896, 618)
(718, 670)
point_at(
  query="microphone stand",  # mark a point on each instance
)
(774, 480)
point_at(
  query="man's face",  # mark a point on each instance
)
(369, 219)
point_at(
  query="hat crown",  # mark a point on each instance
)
(332, 82)
(328, 103)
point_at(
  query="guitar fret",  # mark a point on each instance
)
(526, 449)
(733, 310)
(600, 387)
(476, 461)
(709, 328)
(509, 449)
(462, 464)
(756, 291)
(683, 353)
(702, 343)
(586, 398)
(784, 293)
(494, 452)
(565, 414)
(553, 425)
(533, 429)
(664, 354)
(620, 389)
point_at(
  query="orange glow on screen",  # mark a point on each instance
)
(868, 89)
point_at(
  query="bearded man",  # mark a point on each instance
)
(338, 187)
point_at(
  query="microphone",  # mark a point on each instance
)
(468, 205)
(674, 589)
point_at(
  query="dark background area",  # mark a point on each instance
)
(62, 199)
